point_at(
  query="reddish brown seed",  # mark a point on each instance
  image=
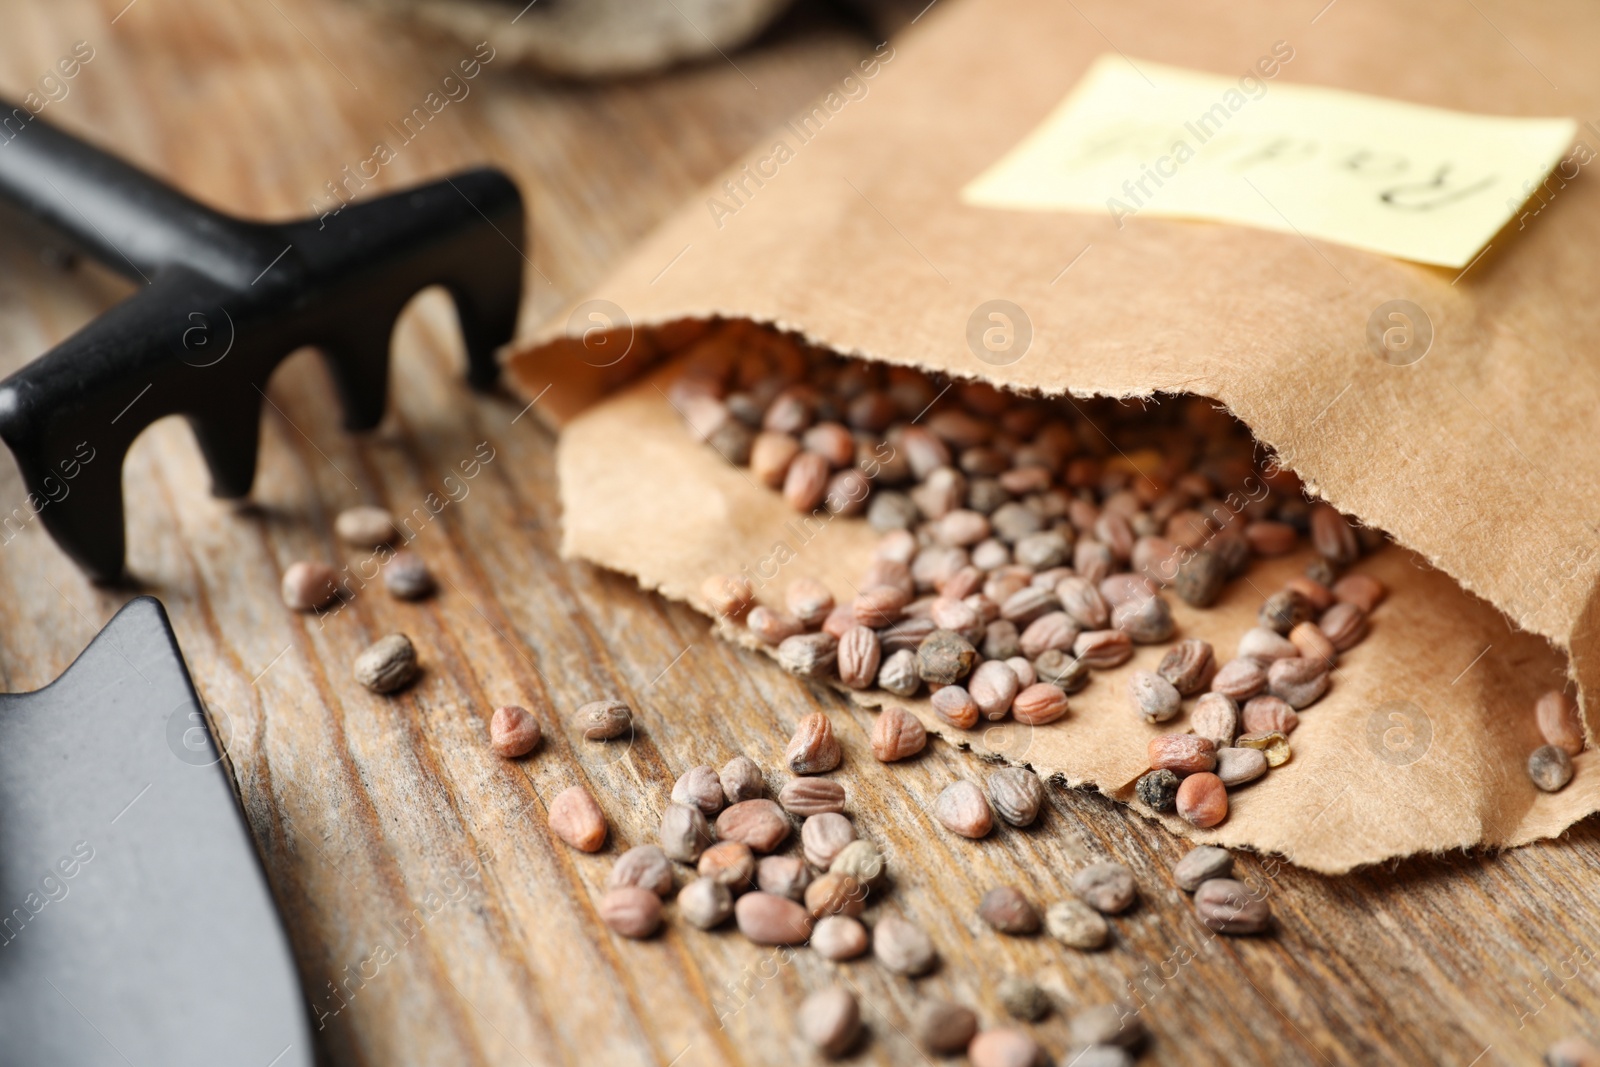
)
(770, 456)
(1559, 724)
(830, 1019)
(1216, 718)
(772, 627)
(729, 863)
(859, 655)
(808, 601)
(1189, 666)
(1270, 538)
(578, 820)
(1231, 907)
(806, 482)
(897, 734)
(1007, 910)
(832, 442)
(1203, 799)
(1182, 753)
(1052, 630)
(835, 893)
(1264, 645)
(963, 809)
(1039, 704)
(514, 732)
(406, 576)
(1572, 1052)
(1004, 1048)
(1362, 590)
(1345, 625)
(949, 613)
(840, 621)
(955, 705)
(784, 876)
(1333, 536)
(993, 686)
(772, 920)
(813, 749)
(1313, 643)
(761, 824)
(1319, 596)
(839, 937)
(726, 594)
(308, 586)
(1268, 714)
(944, 1028)
(1107, 887)
(811, 796)
(847, 492)
(631, 911)
(1103, 649)
(1240, 679)
(881, 605)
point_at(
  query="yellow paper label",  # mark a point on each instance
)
(1139, 138)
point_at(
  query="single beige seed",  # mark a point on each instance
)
(406, 576)
(1203, 800)
(898, 673)
(963, 809)
(830, 1019)
(1345, 625)
(1572, 1052)
(811, 796)
(859, 656)
(839, 937)
(741, 780)
(1007, 910)
(897, 734)
(730, 863)
(704, 903)
(1231, 907)
(760, 823)
(809, 655)
(1107, 887)
(861, 860)
(944, 1028)
(601, 720)
(783, 876)
(645, 866)
(365, 526)
(1266, 713)
(835, 893)
(1076, 925)
(993, 686)
(726, 594)
(578, 820)
(772, 628)
(903, 947)
(684, 832)
(1004, 1048)
(1559, 724)
(699, 787)
(823, 837)
(1016, 794)
(1154, 699)
(1188, 666)
(1240, 679)
(1264, 645)
(770, 456)
(1236, 766)
(1550, 768)
(809, 601)
(514, 732)
(772, 920)
(813, 749)
(1201, 864)
(631, 911)
(1216, 718)
(388, 665)
(309, 586)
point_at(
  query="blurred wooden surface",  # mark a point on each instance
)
(385, 822)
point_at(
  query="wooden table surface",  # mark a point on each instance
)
(386, 824)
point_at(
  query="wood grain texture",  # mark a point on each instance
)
(405, 855)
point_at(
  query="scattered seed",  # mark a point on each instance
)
(992, 686)
(771, 920)
(944, 1028)
(809, 655)
(1559, 724)
(902, 946)
(728, 595)
(578, 820)
(1039, 704)
(809, 601)
(830, 1019)
(741, 780)
(514, 732)
(859, 655)
(1103, 649)
(783, 876)
(601, 720)
(772, 627)
(1266, 713)
(1202, 864)
(309, 586)
(365, 526)
(701, 788)
(1284, 610)
(729, 862)
(897, 734)
(1203, 800)
(1200, 579)
(1298, 682)
(1216, 718)
(1007, 910)
(861, 860)
(1060, 669)
(1550, 768)
(839, 937)
(835, 893)
(1572, 1052)
(1077, 925)
(955, 706)
(1272, 745)
(631, 911)
(898, 674)
(760, 824)
(1146, 621)
(1240, 679)
(1023, 998)
(1108, 1024)
(388, 665)
(1264, 646)
(1362, 590)
(1182, 753)
(823, 837)
(645, 866)
(811, 796)
(1158, 790)
(1230, 907)
(684, 833)
(1107, 887)
(944, 657)
(1016, 794)
(1004, 1048)
(1188, 666)
(963, 809)
(406, 576)
(1103, 1055)
(1236, 766)
(705, 903)
(1344, 624)
(813, 749)
(1153, 697)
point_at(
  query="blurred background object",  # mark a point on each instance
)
(594, 39)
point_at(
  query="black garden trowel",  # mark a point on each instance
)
(137, 926)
